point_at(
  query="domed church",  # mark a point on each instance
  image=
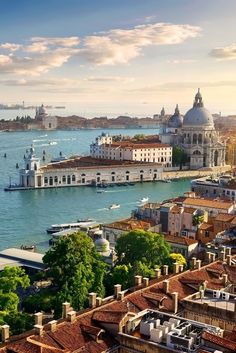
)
(199, 138)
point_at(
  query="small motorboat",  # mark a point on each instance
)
(31, 248)
(167, 181)
(100, 191)
(144, 199)
(114, 206)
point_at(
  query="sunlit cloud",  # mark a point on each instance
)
(224, 53)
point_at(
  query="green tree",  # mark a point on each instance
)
(179, 258)
(139, 137)
(179, 157)
(122, 274)
(138, 245)
(19, 322)
(11, 278)
(76, 269)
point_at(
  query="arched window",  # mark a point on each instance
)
(127, 172)
(73, 177)
(68, 179)
(200, 138)
(56, 179)
(64, 179)
(51, 180)
(83, 175)
(194, 138)
(35, 166)
(198, 153)
(113, 173)
(216, 154)
(45, 180)
(98, 173)
(141, 171)
(27, 166)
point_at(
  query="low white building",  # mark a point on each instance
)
(85, 171)
(144, 151)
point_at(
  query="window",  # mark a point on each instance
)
(51, 180)
(64, 179)
(73, 177)
(56, 179)
(45, 180)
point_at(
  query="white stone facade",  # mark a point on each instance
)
(104, 148)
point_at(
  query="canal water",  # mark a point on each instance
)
(25, 215)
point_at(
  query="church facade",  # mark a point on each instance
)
(195, 133)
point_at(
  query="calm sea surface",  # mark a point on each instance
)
(24, 215)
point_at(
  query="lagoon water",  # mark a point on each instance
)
(25, 215)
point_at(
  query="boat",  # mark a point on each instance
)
(73, 226)
(144, 199)
(114, 206)
(100, 191)
(52, 143)
(167, 181)
(58, 159)
(31, 248)
(85, 220)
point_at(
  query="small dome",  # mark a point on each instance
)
(102, 245)
(176, 120)
(42, 110)
(198, 115)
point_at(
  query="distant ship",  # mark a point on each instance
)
(60, 107)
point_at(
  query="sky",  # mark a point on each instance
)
(119, 56)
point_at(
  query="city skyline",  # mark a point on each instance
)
(127, 56)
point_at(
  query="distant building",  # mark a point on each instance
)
(144, 151)
(46, 121)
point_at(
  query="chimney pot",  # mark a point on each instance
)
(228, 259)
(53, 325)
(166, 284)
(138, 280)
(175, 300)
(65, 309)
(225, 279)
(165, 270)
(222, 256)
(193, 262)
(157, 272)
(117, 289)
(38, 330)
(92, 299)
(213, 257)
(121, 295)
(71, 316)
(228, 251)
(5, 332)
(198, 264)
(181, 268)
(146, 281)
(38, 318)
(176, 268)
(208, 255)
(98, 301)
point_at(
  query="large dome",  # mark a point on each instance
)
(176, 120)
(198, 115)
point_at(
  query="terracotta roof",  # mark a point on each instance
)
(130, 224)
(198, 202)
(205, 226)
(189, 210)
(223, 217)
(219, 341)
(92, 163)
(180, 240)
(109, 316)
(137, 145)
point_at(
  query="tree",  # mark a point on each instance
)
(179, 157)
(139, 137)
(122, 274)
(179, 258)
(11, 278)
(76, 268)
(138, 245)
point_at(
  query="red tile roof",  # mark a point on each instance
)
(219, 341)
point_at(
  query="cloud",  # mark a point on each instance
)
(10, 46)
(109, 79)
(119, 46)
(39, 82)
(224, 53)
(181, 61)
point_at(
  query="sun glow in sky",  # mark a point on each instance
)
(119, 56)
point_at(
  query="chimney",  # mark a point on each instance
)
(181, 268)
(38, 318)
(208, 256)
(117, 289)
(225, 279)
(166, 284)
(5, 332)
(175, 301)
(176, 268)
(222, 255)
(213, 257)
(98, 301)
(228, 251)
(198, 264)
(165, 270)
(38, 330)
(121, 295)
(52, 325)
(146, 281)
(202, 292)
(138, 280)
(65, 309)
(157, 273)
(193, 262)
(71, 316)
(92, 300)
(228, 259)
